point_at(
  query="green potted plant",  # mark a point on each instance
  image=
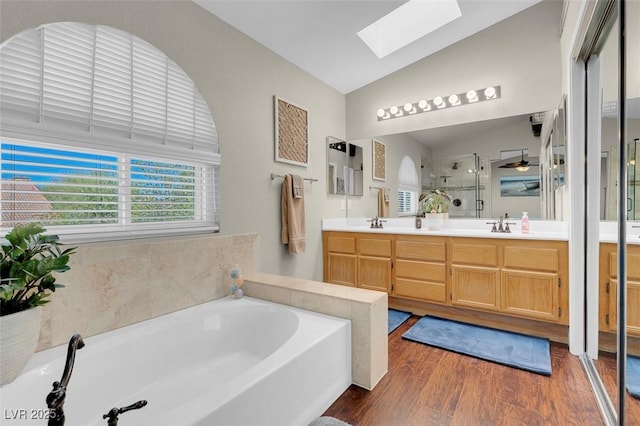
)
(435, 205)
(29, 260)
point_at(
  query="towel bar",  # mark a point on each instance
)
(275, 176)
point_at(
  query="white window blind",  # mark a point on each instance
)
(99, 128)
(408, 186)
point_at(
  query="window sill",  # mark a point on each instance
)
(133, 235)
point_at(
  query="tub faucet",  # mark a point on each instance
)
(112, 415)
(55, 399)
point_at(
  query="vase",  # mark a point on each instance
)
(19, 334)
(434, 221)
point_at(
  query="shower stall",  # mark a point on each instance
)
(467, 179)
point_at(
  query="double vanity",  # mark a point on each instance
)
(462, 271)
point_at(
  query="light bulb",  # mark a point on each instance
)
(490, 92)
(472, 96)
(394, 110)
(408, 107)
(423, 105)
(380, 113)
(439, 102)
(522, 168)
(454, 100)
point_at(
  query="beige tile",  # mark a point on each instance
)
(264, 292)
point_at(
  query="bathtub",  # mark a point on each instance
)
(226, 362)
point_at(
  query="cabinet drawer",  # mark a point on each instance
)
(417, 250)
(534, 258)
(474, 254)
(345, 245)
(633, 265)
(423, 290)
(374, 247)
(421, 270)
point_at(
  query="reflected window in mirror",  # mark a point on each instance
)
(408, 187)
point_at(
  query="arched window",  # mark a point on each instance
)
(102, 133)
(408, 187)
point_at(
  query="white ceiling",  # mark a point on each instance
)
(319, 36)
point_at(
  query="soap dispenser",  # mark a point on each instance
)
(524, 223)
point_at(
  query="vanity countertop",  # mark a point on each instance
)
(609, 232)
(474, 228)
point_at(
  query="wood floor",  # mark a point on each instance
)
(606, 366)
(430, 386)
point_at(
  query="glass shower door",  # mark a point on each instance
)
(466, 179)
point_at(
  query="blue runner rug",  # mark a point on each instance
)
(633, 375)
(396, 319)
(511, 349)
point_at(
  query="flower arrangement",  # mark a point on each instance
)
(238, 280)
(435, 201)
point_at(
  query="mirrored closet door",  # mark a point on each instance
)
(613, 165)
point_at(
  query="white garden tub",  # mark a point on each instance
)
(226, 362)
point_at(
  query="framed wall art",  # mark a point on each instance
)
(379, 160)
(291, 133)
(520, 186)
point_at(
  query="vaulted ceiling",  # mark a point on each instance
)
(320, 36)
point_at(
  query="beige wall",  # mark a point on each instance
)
(238, 78)
(522, 54)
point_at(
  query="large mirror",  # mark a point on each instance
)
(344, 167)
(494, 168)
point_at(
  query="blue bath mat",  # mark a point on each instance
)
(633, 375)
(396, 319)
(511, 349)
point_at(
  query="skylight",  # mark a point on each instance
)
(406, 24)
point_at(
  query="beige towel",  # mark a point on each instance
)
(293, 232)
(383, 203)
(298, 186)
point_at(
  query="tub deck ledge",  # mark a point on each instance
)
(367, 310)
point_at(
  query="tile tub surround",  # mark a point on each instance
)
(367, 310)
(114, 284)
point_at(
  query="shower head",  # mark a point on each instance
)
(455, 166)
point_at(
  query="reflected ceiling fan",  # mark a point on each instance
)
(522, 165)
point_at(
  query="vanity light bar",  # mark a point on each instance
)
(440, 102)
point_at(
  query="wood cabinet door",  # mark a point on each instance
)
(633, 307)
(374, 273)
(530, 294)
(341, 269)
(475, 287)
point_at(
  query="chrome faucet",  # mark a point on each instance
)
(55, 399)
(376, 222)
(112, 415)
(502, 225)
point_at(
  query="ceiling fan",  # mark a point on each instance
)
(521, 165)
